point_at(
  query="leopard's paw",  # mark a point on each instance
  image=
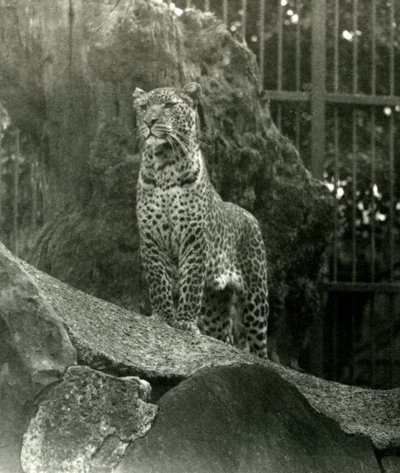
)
(186, 325)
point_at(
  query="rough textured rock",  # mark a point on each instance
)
(86, 422)
(81, 60)
(391, 464)
(243, 419)
(41, 316)
(35, 350)
(112, 339)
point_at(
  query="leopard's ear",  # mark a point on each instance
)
(138, 95)
(193, 91)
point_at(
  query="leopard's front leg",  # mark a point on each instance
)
(159, 273)
(192, 273)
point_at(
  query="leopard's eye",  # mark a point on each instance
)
(169, 104)
(143, 107)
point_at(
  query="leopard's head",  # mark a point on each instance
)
(166, 117)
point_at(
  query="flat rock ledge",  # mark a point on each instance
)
(75, 377)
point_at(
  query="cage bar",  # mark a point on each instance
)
(318, 64)
(261, 50)
(336, 142)
(391, 46)
(206, 5)
(353, 340)
(336, 49)
(391, 196)
(373, 49)
(373, 204)
(336, 204)
(355, 46)
(373, 340)
(225, 11)
(373, 143)
(280, 46)
(244, 18)
(354, 152)
(391, 339)
(298, 73)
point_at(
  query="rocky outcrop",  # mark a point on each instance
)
(67, 398)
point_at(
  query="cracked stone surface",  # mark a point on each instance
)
(86, 423)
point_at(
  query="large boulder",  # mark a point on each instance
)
(244, 419)
(91, 417)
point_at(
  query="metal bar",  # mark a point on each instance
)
(188, 3)
(288, 96)
(334, 339)
(353, 340)
(350, 99)
(16, 193)
(391, 191)
(318, 64)
(373, 143)
(298, 48)
(336, 49)
(280, 46)
(355, 46)
(373, 339)
(362, 99)
(384, 288)
(261, 50)
(225, 11)
(354, 153)
(336, 210)
(244, 18)
(206, 5)
(298, 73)
(373, 49)
(391, 46)
(391, 196)
(373, 203)
(391, 340)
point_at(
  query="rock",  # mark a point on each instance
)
(86, 423)
(391, 464)
(242, 419)
(111, 339)
(35, 350)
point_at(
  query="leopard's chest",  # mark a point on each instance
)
(168, 214)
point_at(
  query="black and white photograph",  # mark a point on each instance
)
(200, 236)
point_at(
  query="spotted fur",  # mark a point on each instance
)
(204, 259)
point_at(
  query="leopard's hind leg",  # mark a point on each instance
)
(255, 306)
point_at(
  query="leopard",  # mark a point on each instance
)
(204, 259)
